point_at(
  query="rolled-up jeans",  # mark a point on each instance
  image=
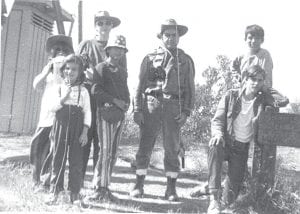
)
(159, 113)
(236, 153)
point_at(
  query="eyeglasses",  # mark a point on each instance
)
(101, 23)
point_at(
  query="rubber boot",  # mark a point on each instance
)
(171, 194)
(138, 190)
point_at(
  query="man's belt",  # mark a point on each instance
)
(163, 95)
(171, 96)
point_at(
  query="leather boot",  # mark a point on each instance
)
(138, 189)
(171, 194)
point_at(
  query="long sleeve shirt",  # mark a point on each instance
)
(173, 73)
(78, 96)
(110, 83)
(230, 106)
(93, 53)
(262, 58)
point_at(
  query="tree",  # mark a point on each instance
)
(217, 81)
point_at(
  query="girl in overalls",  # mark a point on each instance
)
(112, 95)
(69, 132)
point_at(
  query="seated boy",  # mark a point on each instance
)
(233, 128)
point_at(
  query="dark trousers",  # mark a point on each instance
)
(67, 128)
(39, 149)
(159, 114)
(236, 153)
(92, 138)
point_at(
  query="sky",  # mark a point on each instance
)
(215, 27)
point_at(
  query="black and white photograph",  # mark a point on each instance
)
(150, 106)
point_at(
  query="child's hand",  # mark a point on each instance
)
(83, 139)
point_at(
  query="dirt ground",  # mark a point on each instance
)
(16, 148)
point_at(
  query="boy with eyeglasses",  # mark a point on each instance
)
(93, 53)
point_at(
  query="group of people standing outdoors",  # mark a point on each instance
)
(86, 96)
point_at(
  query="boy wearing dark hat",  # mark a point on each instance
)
(93, 53)
(57, 47)
(164, 99)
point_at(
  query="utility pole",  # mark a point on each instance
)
(79, 21)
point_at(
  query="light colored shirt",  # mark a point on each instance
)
(82, 100)
(53, 78)
(242, 125)
(262, 58)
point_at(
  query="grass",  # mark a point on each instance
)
(17, 195)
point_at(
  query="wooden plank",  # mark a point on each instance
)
(59, 19)
(279, 129)
(22, 71)
(9, 66)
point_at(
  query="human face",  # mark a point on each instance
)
(253, 42)
(170, 38)
(103, 28)
(115, 53)
(71, 73)
(254, 84)
(59, 50)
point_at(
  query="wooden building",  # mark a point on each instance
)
(23, 56)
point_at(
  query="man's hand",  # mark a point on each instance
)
(216, 140)
(181, 119)
(138, 118)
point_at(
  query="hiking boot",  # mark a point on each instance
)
(138, 189)
(200, 191)
(171, 194)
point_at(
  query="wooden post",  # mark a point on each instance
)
(59, 20)
(274, 129)
(79, 21)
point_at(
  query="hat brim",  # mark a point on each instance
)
(115, 21)
(107, 47)
(180, 28)
(51, 41)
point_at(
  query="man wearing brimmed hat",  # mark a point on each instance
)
(57, 47)
(93, 52)
(164, 99)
